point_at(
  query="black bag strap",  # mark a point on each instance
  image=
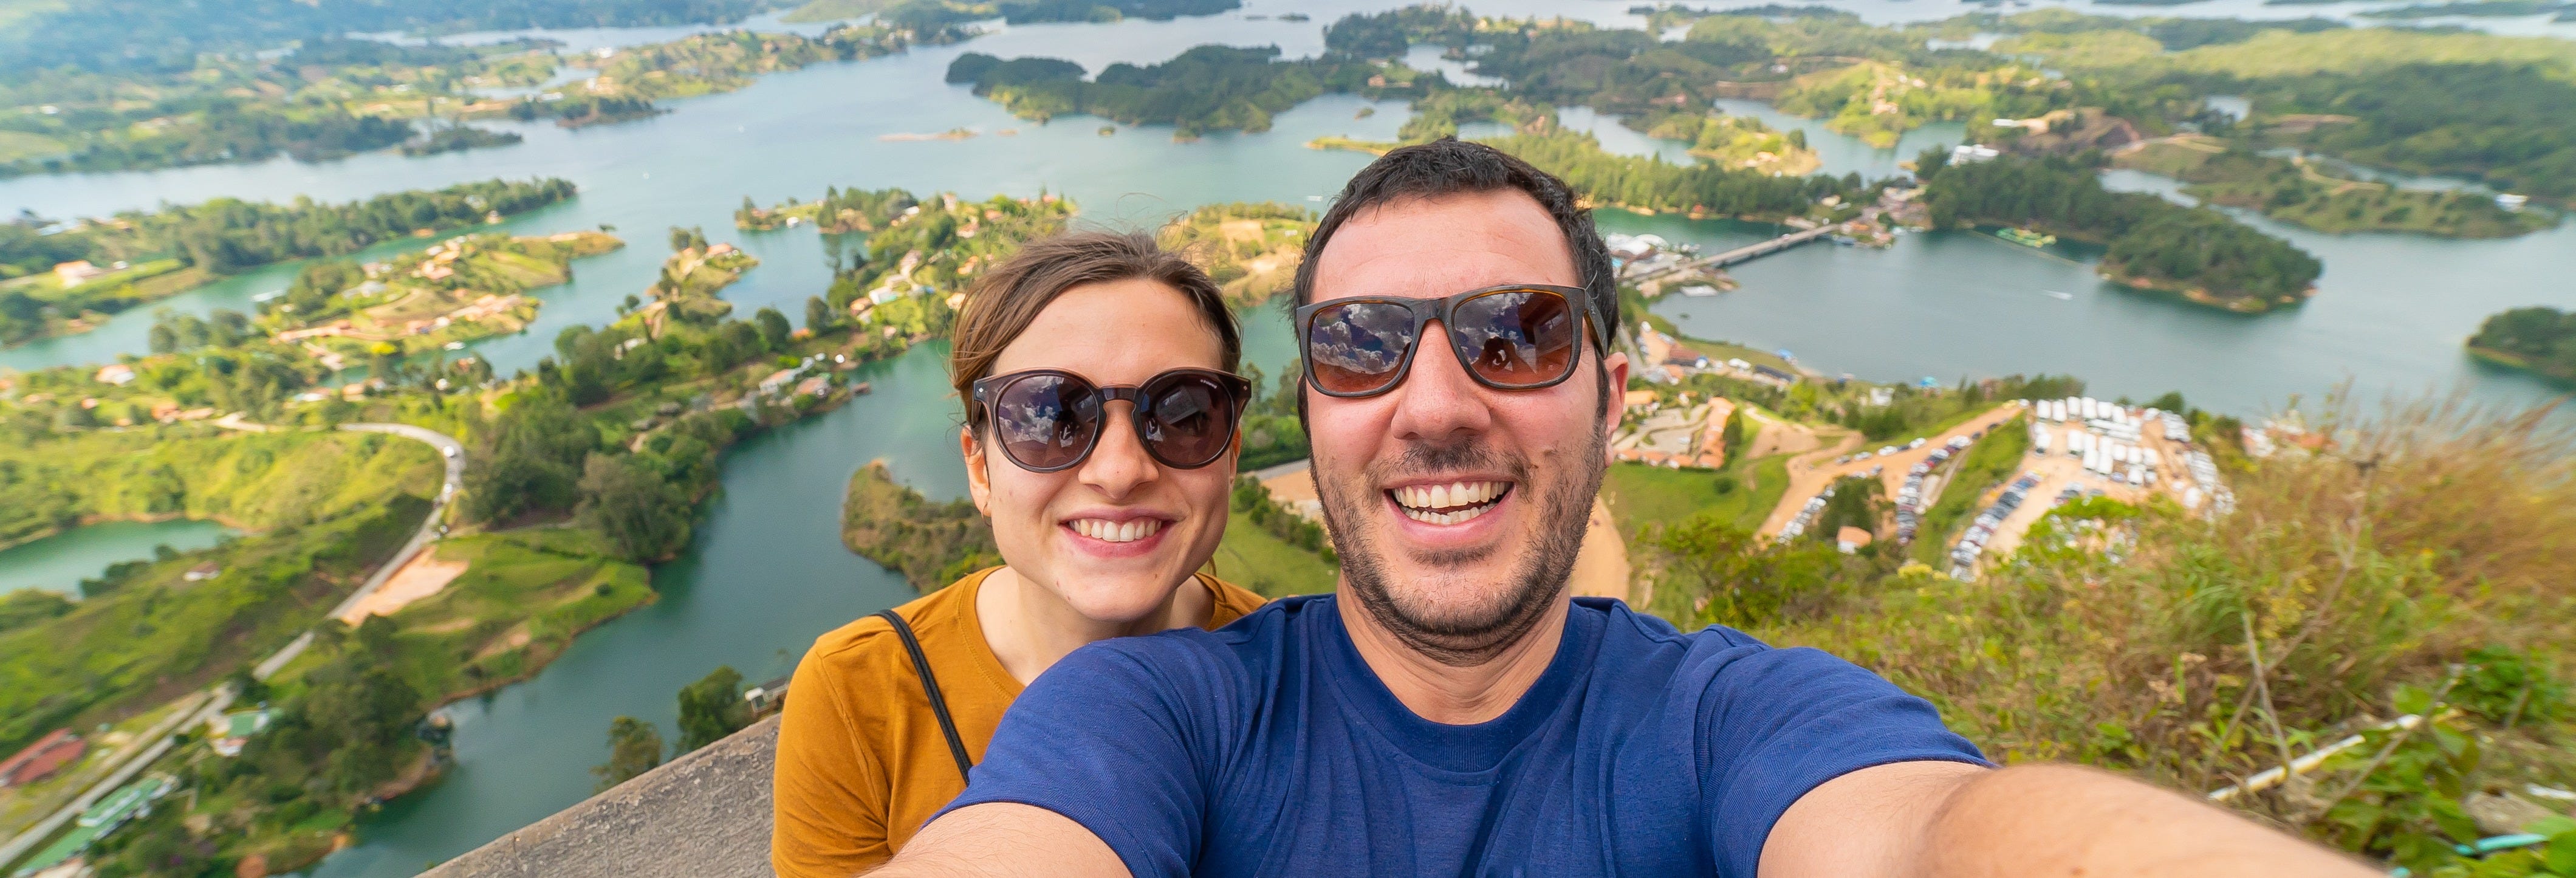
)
(930, 687)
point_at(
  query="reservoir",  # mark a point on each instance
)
(767, 572)
(60, 562)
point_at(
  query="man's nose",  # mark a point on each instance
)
(1439, 403)
(1118, 464)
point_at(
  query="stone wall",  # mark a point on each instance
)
(705, 815)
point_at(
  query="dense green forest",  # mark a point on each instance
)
(2153, 242)
(1652, 184)
(1208, 88)
(159, 35)
(2540, 339)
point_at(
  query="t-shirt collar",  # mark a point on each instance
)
(1469, 748)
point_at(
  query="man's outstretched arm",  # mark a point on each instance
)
(1942, 819)
(1004, 840)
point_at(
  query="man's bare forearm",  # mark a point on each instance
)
(2068, 820)
(1003, 840)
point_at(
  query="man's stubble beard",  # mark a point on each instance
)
(1536, 580)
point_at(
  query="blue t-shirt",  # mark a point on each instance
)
(1269, 747)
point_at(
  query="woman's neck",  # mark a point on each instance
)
(1029, 627)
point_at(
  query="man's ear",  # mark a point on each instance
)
(1616, 364)
(979, 481)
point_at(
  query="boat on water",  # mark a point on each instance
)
(2026, 237)
(2059, 295)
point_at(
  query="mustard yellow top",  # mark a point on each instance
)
(861, 761)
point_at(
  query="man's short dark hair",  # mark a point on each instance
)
(1450, 166)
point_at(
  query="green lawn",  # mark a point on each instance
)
(525, 597)
(1640, 494)
(1252, 558)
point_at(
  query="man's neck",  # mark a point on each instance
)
(1452, 694)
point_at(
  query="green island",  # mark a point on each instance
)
(2198, 254)
(839, 211)
(1207, 88)
(1739, 142)
(467, 288)
(2303, 193)
(912, 276)
(62, 278)
(2538, 339)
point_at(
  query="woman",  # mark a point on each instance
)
(1100, 439)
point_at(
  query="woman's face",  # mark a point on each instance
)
(1116, 534)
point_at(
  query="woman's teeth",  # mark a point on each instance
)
(1108, 531)
(1448, 504)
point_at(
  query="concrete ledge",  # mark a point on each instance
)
(704, 814)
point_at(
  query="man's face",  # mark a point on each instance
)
(1457, 509)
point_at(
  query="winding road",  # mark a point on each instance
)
(221, 696)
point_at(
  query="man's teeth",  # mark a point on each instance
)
(1108, 531)
(1448, 504)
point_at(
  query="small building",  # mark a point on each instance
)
(777, 380)
(1973, 152)
(232, 731)
(1637, 398)
(202, 572)
(1851, 539)
(128, 802)
(41, 759)
(2510, 201)
(77, 272)
(815, 386)
(118, 374)
(1763, 371)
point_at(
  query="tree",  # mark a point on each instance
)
(774, 328)
(634, 747)
(819, 315)
(644, 517)
(712, 708)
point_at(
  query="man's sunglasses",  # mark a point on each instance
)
(1048, 420)
(1511, 337)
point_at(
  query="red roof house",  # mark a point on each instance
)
(41, 759)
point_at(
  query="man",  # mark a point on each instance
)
(1450, 710)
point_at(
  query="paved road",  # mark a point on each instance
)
(454, 453)
(222, 696)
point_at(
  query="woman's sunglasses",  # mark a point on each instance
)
(1512, 337)
(1047, 420)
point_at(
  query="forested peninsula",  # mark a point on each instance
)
(2538, 339)
(136, 257)
(2197, 253)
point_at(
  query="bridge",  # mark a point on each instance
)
(1745, 253)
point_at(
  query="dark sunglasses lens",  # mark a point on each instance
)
(1046, 421)
(1517, 338)
(1192, 421)
(1358, 346)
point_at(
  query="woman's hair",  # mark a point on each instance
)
(1002, 303)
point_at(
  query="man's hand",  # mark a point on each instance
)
(1004, 840)
(1941, 819)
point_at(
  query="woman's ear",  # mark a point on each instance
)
(979, 481)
